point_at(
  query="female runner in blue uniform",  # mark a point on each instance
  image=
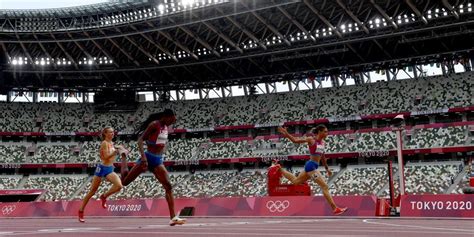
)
(106, 169)
(316, 147)
(154, 131)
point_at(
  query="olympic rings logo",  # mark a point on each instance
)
(7, 210)
(278, 206)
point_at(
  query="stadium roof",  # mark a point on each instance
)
(206, 43)
(45, 4)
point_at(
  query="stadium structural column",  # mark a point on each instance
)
(415, 71)
(466, 65)
(447, 67)
(313, 85)
(366, 77)
(200, 93)
(154, 96)
(335, 81)
(390, 182)
(35, 97)
(85, 97)
(60, 97)
(472, 62)
(401, 177)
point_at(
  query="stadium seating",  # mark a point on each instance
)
(360, 180)
(203, 184)
(248, 183)
(18, 117)
(438, 137)
(203, 148)
(12, 153)
(375, 98)
(52, 154)
(373, 141)
(10, 181)
(222, 150)
(89, 152)
(432, 178)
(463, 183)
(63, 117)
(58, 187)
(421, 178)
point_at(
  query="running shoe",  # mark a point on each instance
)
(339, 210)
(177, 221)
(81, 216)
(103, 200)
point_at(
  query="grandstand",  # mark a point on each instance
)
(234, 71)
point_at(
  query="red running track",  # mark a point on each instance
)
(137, 227)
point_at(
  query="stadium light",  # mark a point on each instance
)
(161, 8)
(187, 2)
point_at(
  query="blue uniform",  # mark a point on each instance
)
(103, 170)
(311, 165)
(152, 159)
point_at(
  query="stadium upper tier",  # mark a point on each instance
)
(431, 93)
(164, 45)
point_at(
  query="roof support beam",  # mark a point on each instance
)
(156, 44)
(416, 11)
(82, 49)
(450, 9)
(247, 32)
(186, 49)
(27, 54)
(315, 11)
(201, 41)
(106, 52)
(224, 37)
(122, 50)
(384, 14)
(73, 60)
(7, 55)
(295, 22)
(271, 28)
(354, 17)
(45, 51)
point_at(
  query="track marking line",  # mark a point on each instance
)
(415, 226)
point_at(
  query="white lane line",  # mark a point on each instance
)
(415, 226)
(331, 232)
(204, 233)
